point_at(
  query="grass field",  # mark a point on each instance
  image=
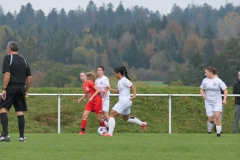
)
(127, 146)
(155, 84)
(114, 81)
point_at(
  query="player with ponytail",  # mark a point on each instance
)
(123, 106)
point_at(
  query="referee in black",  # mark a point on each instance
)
(16, 82)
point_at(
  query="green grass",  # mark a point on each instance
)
(155, 84)
(139, 146)
(114, 81)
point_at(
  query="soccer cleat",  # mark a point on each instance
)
(144, 126)
(4, 138)
(22, 139)
(104, 119)
(218, 135)
(209, 132)
(107, 135)
(81, 133)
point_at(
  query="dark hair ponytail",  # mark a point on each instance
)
(123, 71)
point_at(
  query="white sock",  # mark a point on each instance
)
(219, 129)
(209, 126)
(111, 124)
(134, 120)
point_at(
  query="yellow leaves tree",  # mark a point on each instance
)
(86, 57)
(229, 26)
(174, 27)
(192, 44)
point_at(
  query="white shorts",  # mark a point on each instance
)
(123, 107)
(105, 105)
(212, 107)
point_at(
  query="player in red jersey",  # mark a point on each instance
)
(94, 100)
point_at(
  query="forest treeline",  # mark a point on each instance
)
(174, 48)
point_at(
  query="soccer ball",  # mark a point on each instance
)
(101, 130)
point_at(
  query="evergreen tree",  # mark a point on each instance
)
(26, 16)
(52, 19)
(186, 14)
(197, 31)
(91, 7)
(110, 15)
(225, 70)
(232, 52)
(117, 31)
(9, 19)
(164, 22)
(62, 18)
(135, 57)
(208, 50)
(172, 47)
(101, 16)
(2, 16)
(40, 18)
(176, 13)
(208, 33)
(75, 21)
(186, 28)
(196, 60)
(119, 14)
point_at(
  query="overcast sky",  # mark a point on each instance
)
(163, 6)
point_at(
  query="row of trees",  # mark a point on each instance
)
(75, 19)
(80, 18)
(155, 48)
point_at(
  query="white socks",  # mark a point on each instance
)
(134, 120)
(111, 124)
(219, 129)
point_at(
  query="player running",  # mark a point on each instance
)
(124, 104)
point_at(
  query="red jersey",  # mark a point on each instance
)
(96, 104)
(88, 88)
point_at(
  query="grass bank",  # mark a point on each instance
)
(188, 113)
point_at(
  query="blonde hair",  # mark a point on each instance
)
(91, 76)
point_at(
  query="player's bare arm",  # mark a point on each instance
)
(134, 92)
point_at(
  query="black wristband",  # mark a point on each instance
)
(3, 88)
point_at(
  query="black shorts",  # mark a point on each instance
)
(16, 97)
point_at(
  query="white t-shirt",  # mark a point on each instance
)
(101, 83)
(212, 88)
(124, 88)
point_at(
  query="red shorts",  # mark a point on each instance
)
(94, 106)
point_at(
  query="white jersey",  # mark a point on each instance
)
(212, 88)
(101, 83)
(124, 88)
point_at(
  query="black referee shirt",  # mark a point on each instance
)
(17, 67)
(236, 90)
